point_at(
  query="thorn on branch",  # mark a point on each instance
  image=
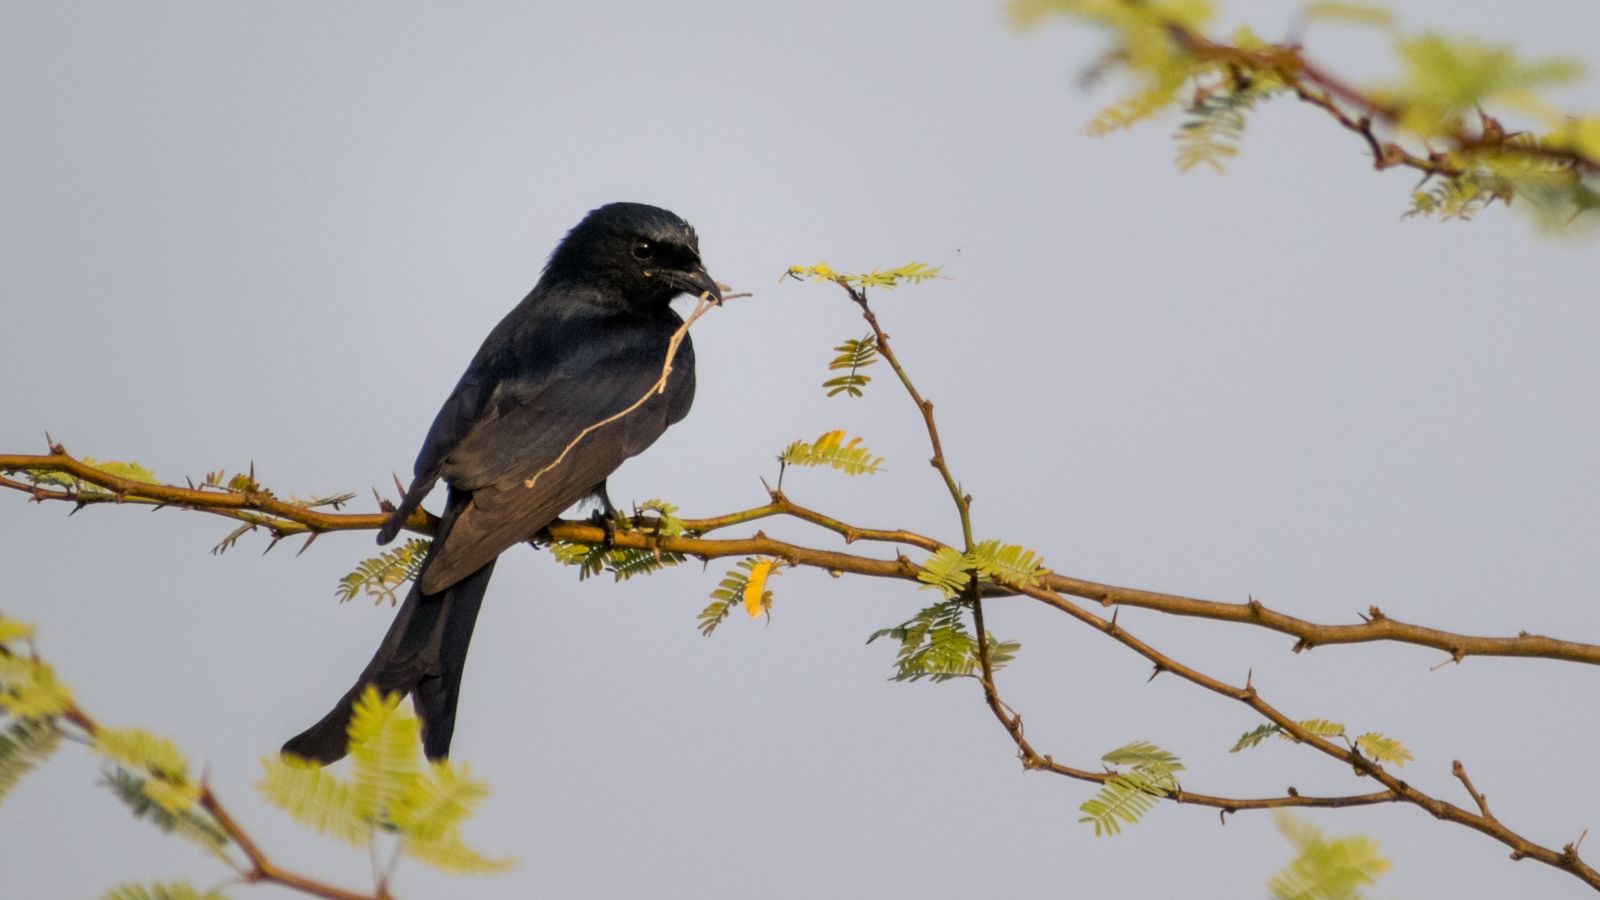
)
(1569, 853)
(1456, 656)
(1159, 668)
(1303, 645)
(310, 539)
(1255, 606)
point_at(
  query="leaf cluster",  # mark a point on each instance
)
(621, 562)
(745, 583)
(1375, 746)
(390, 789)
(382, 576)
(935, 644)
(1431, 118)
(910, 273)
(855, 354)
(831, 449)
(1324, 868)
(949, 571)
(1150, 774)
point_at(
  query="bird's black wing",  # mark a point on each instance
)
(527, 428)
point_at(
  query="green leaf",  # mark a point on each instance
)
(384, 755)
(316, 798)
(1011, 563)
(668, 524)
(1368, 14)
(1320, 728)
(169, 890)
(855, 354)
(1324, 869)
(947, 571)
(1383, 749)
(190, 824)
(382, 576)
(831, 449)
(1144, 755)
(1129, 794)
(910, 273)
(1446, 78)
(136, 748)
(1214, 126)
(12, 631)
(936, 645)
(23, 746)
(449, 853)
(1255, 736)
(437, 803)
(29, 689)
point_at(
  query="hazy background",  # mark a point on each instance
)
(277, 232)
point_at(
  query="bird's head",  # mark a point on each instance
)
(644, 255)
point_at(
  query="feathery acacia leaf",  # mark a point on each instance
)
(383, 753)
(1214, 126)
(1320, 728)
(315, 798)
(935, 644)
(168, 890)
(29, 689)
(23, 746)
(382, 576)
(1130, 793)
(910, 273)
(948, 570)
(624, 562)
(1369, 14)
(1383, 748)
(390, 789)
(855, 354)
(831, 449)
(190, 824)
(746, 584)
(1324, 869)
(1255, 736)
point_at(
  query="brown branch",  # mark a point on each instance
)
(274, 516)
(1396, 789)
(1377, 627)
(261, 868)
(1521, 847)
(1033, 760)
(1314, 85)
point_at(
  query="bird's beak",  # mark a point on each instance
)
(698, 281)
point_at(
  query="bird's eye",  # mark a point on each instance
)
(642, 251)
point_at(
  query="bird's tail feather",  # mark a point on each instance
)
(423, 654)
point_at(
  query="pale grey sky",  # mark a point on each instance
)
(277, 232)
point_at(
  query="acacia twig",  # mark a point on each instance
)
(283, 519)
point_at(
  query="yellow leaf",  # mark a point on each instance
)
(12, 630)
(140, 749)
(755, 587)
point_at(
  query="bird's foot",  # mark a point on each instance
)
(600, 519)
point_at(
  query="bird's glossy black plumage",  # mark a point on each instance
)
(585, 344)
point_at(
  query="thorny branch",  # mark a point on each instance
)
(1318, 87)
(282, 519)
(1395, 789)
(260, 508)
(260, 868)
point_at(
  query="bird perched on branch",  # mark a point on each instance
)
(516, 441)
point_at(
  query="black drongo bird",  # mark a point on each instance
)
(587, 343)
